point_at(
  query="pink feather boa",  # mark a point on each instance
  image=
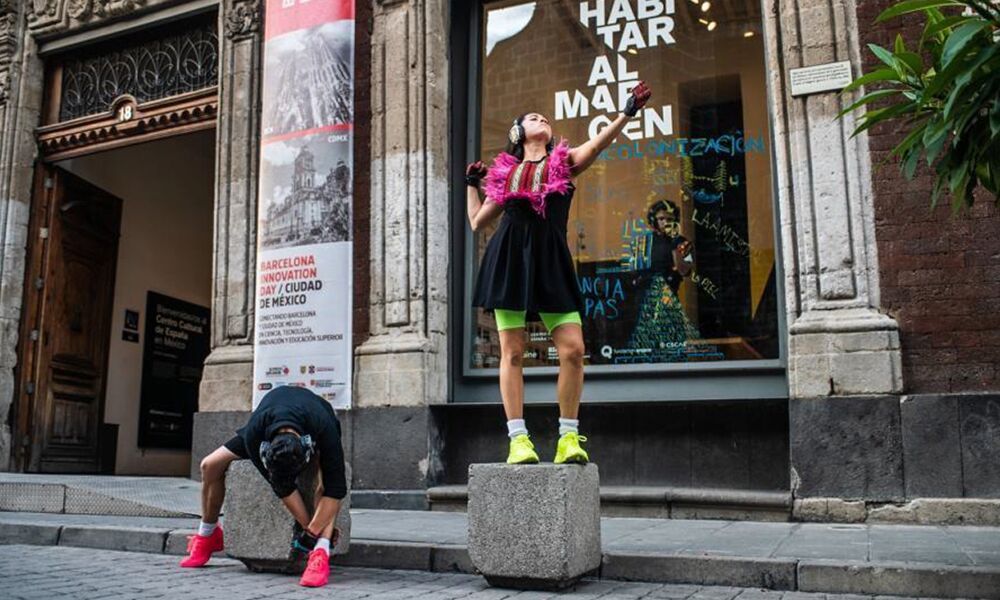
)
(559, 179)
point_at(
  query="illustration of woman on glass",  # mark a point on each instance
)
(527, 270)
(662, 328)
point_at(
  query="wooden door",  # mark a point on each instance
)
(73, 254)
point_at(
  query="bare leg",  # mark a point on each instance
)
(568, 340)
(213, 482)
(512, 372)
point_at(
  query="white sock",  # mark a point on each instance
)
(324, 545)
(569, 426)
(207, 529)
(516, 427)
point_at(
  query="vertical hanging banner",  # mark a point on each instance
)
(303, 312)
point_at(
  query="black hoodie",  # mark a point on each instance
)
(308, 414)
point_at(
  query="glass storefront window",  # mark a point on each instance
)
(672, 228)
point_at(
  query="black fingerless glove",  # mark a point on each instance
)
(303, 542)
(640, 95)
(631, 107)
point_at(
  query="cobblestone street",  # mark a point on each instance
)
(29, 572)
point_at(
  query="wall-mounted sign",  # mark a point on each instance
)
(820, 78)
(177, 343)
(131, 320)
(303, 316)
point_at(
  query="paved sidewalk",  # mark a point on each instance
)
(945, 545)
(81, 574)
(932, 544)
(100, 495)
(941, 561)
(155, 515)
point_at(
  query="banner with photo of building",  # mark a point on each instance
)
(303, 299)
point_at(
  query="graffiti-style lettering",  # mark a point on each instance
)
(601, 295)
(653, 122)
(636, 245)
(658, 172)
(706, 197)
(723, 233)
(706, 284)
(724, 145)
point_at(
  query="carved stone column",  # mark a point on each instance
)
(401, 368)
(844, 356)
(20, 100)
(404, 361)
(840, 343)
(228, 376)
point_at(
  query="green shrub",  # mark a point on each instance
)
(945, 90)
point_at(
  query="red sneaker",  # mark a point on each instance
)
(317, 572)
(201, 547)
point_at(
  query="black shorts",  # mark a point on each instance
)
(237, 446)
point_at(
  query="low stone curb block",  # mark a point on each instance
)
(451, 559)
(534, 526)
(29, 533)
(899, 579)
(387, 555)
(128, 539)
(390, 499)
(771, 573)
(774, 595)
(939, 511)
(259, 528)
(177, 541)
(828, 510)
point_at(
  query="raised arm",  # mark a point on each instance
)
(480, 213)
(584, 155)
(681, 255)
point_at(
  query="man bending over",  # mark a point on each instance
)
(290, 427)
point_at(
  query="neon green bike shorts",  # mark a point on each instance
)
(514, 319)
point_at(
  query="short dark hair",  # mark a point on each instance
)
(286, 458)
(666, 205)
(517, 150)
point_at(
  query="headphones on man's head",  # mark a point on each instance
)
(516, 133)
(304, 440)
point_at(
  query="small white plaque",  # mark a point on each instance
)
(821, 78)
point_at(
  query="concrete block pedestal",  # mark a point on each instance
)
(534, 526)
(259, 528)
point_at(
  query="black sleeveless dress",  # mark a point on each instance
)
(527, 264)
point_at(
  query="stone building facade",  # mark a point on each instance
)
(890, 346)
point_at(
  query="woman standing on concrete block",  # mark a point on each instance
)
(527, 270)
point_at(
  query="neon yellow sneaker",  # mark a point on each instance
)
(522, 451)
(569, 450)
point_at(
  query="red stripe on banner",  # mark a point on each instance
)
(308, 132)
(291, 15)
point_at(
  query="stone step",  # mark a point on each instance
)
(659, 502)
(100, 495)
(899, 560)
